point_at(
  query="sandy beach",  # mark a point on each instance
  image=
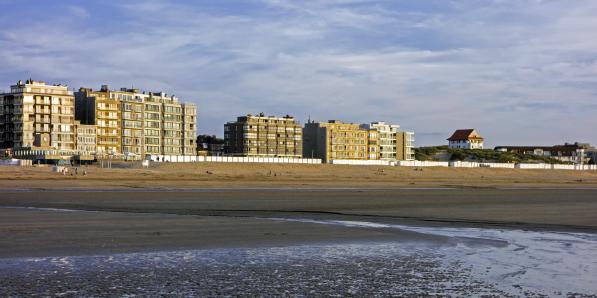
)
(178, 206)
(185, 227)
(230, 175)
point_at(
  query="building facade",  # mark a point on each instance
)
(104, 111)
(387, 138)
(189, 129)
(153, 125)
(145, 122)
(394, 144)
(37, 116)
(131, 123)
(85, 141)
(373, 144)
(405, 142)
(264, 136)
(337, 140)
(465, 139)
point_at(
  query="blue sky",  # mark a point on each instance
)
(520, 71)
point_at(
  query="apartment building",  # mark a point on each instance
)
(393, 144)
(338, 140)
(145, 122)
(172, 127)
(387, 139)
(189, 129)
(37, 116)
(131, 109)
(152, 122)
(405, 142)
(373, 144)
(104, 111)
(264, 136)
(85, 141)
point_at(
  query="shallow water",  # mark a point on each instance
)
(328, 270)
(519, 262)
(474, 262)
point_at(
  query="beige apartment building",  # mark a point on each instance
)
(172, 129)
(189, 129)
(405, 145)
(146, 122)
(100, 109)
(373, 145)
(170, 125)
(338, 140)
(152, 121)
(37, 116)
(264, 136)
(131, 111)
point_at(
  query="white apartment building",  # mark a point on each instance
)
(387, 139)
(35, 115)
(393, 143)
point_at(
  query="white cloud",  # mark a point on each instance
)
(520, 71)
(78, 12)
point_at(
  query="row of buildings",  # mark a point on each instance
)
(50, 122)
(270, 136)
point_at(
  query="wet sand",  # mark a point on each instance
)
(41, 233)
(140, 220)
(443, 233)
(343, 258)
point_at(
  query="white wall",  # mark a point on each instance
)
(362, 162)
(233, 159)
(402, 163)
(464, 145)
(419, 163)
(497, 165)
(16, 162)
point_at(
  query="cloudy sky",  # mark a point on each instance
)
(520, 71)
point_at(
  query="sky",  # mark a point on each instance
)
(522, 72)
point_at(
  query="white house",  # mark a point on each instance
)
(465, 139)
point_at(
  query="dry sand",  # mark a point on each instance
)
(229, 175)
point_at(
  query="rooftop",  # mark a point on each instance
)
(465, 134)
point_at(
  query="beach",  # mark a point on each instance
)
(248, 175)
(437, 225)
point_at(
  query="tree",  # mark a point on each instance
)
(207, 139)
(458, 155)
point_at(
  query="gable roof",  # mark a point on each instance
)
(465, 134)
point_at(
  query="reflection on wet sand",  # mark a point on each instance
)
(471, 261)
